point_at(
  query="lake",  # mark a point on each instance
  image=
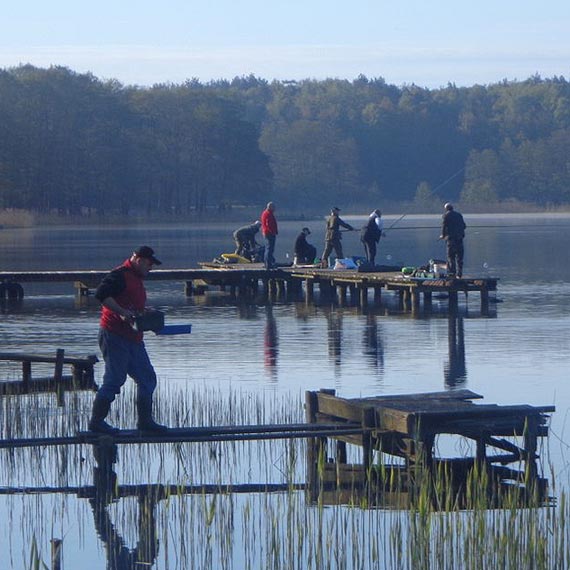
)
(269, 353)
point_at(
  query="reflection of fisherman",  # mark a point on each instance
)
(120, 556)
(245, 239)
(304, 252)
(333, 236)
(455, 370)
(453, 231)
(371, 234)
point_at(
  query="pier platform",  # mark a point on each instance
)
(246, 280)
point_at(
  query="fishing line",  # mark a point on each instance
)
(436, 189)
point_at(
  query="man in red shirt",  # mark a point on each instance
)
(123, 298)
(269, 231)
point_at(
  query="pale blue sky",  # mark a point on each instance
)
(426, 42)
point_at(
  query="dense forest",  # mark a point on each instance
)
(73, 144)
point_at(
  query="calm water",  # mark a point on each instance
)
(519, 353)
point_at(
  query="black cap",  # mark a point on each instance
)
(335, 208)
(306, 230)
(148, 253)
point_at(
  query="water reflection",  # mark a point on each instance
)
(334, 335)
(455, 370)
(270, 343)
(119, 555)
(373, 344)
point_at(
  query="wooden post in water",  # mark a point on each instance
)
(484, 300)
(312, 451)
(377, 294)
(56, 548)
(309, 290)
(57, 376)
(363, 295)
(341, 292)
(415, 298)
(427, 300)
(26, 375)
(453, 301)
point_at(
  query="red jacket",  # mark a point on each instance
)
(126, 286)
(268, 223)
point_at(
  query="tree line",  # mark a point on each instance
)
(75, 144)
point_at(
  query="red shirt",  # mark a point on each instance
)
(126, 286)
(268, 223)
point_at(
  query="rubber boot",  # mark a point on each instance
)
(97, 422)
(145, 421)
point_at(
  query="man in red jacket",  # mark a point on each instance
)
(269, 231)
(123, 298)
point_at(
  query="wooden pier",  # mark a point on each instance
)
(406, 426)
(246, 280)
(82, 375)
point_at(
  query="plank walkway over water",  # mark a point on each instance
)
(245, 279)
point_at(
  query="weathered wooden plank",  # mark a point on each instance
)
(48, 358)
(447, 395)
(338, 407)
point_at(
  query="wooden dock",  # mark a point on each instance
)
(246, 280)
(81, 377)
(399, 426)
(406, 426)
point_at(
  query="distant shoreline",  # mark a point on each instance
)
(22, 219)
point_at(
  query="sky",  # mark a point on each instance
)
(429, 43)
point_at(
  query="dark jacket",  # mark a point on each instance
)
(370, 233)
(303, 249)
(453, 226)
(246, 234)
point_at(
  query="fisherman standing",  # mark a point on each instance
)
(269, 231)
(333, 236)
(123, 297)
(244, 238)
(370, 235)
(453, 231)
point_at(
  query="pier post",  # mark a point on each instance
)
(353, 294)
(427, 300)
(363, 295)
(310, 290)
(341, 292)
(377, 294)
(415, 299)
(484, 300)
(58, 374)
(311, 404)
(453, 301)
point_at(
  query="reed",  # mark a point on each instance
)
(391, 517)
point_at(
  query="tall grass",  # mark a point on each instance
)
(398, 521)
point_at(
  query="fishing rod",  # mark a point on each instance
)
(436, 189)
(470, 227)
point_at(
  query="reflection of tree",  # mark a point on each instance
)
(373, 345)
(270, 342)
(455, 371)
